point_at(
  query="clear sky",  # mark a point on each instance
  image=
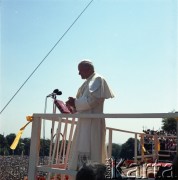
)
(132, 43)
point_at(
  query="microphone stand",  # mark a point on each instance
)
(43, 140)
(52, 129)
(53, 96)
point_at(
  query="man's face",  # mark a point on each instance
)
(84, 71)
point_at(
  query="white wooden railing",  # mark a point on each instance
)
(34, 167)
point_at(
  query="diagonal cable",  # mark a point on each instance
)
(46, 56)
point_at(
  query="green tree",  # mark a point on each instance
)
(9, 138)
(169, 124)
(127, 149)
(3, 144)
(20, 148)
(116, 149)
(44, 147)
(26, 142)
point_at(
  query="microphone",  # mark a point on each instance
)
(55, 92)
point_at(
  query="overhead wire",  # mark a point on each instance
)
(46, 55)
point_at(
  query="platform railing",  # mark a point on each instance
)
(34, 167)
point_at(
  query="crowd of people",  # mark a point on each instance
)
(161, 132)
(13, 167)
(167, 141)
(16, 167)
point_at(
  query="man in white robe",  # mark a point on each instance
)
(89, 138)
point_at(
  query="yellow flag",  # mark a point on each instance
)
(16, 140)
(159, 146)
(19, 134)
(144, 150)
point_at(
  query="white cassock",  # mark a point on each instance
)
(89, 138)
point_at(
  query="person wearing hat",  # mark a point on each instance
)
(89, 139)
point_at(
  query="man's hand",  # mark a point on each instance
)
(71, 102)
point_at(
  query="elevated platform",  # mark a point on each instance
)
(58, 166)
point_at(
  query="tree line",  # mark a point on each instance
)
(23, 147)
(125, 150)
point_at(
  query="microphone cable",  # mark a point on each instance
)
(47, 55)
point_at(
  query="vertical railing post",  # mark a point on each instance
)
(175, 161)
(34, 148)
(142, 147)
(177, 136)
(110, 144)
(135, 149)
(156, 142)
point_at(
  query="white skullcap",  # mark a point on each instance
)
(86, 61)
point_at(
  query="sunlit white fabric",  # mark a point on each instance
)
(89, 137)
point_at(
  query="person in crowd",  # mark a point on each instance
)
(91, 171)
